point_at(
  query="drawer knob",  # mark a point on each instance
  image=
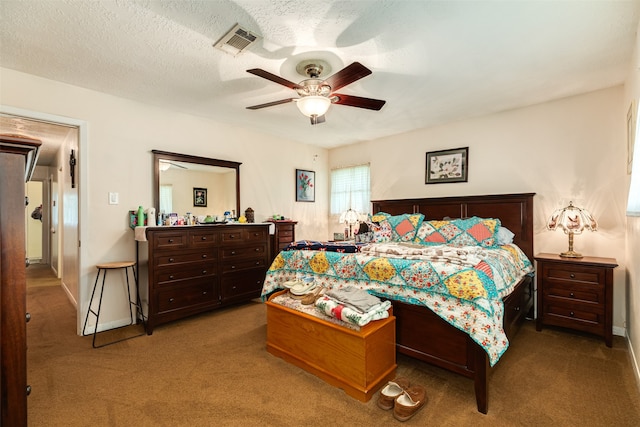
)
(204, 271)
(28, 317)
(170, 300)
(171, 277)
(204, 255)
(204, 237)
(233, 252)
(257, 249)
(572, 295)
(233, 287)
(571, 313)
(233, 267)
(517, 308)
(573, 276)
(170, 240)
(171, 259)
(204, 292)
(257, 262)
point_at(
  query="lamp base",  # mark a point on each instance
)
(570, 254)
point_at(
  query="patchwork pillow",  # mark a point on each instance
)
(472, 231)
(405, 226)
(380, 232)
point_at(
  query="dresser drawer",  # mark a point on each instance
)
(244, 252)
(244, 284)
(185, 257)
(186, 296)
(176, 240)
(575, 274)
(202, 238)
(170, 275)
(232, 266)
(256, 234)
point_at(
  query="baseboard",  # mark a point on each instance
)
(634, 361)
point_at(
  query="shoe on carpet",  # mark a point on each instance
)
(409, 402)
(391, 391)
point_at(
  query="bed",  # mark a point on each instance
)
(420, 332)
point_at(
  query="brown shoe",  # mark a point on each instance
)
(390, 391)
(409, 402)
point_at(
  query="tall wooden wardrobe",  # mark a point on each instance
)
(17, 160)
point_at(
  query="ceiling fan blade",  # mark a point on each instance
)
(316, 120)
(357, 101)
(276, 79)
(177, 165)
(270, 104)
(348, 75)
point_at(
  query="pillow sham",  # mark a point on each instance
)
(404, 227)
(472, 231)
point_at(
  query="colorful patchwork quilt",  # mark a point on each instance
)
(464, 285)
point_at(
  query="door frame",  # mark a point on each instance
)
(81, 178)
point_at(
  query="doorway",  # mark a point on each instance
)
(60, 199)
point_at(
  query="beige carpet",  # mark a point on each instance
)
(213, 370)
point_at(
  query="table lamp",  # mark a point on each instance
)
(572, 220)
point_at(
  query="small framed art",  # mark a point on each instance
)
(200, 197)
(447, 166)
(305, 186)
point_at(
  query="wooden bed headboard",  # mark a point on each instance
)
(515, 211)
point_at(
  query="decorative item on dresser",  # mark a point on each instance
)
(18, 156)
(193, 269)
(284, 233)
(576, 293)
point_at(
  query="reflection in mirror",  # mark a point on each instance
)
(199, 185)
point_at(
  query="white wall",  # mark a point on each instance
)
(120, 136)
(632, 96)
(571, 149)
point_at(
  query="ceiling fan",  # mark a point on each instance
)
(165, 165)
(317, 94)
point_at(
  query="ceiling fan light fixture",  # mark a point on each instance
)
(313, 105)
(164, 166)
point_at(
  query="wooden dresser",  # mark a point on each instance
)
(285, 233)
(576, 293)
(17, 159)
(193, 269)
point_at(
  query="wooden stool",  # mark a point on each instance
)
(104, 268)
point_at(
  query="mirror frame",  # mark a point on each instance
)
(165, 155)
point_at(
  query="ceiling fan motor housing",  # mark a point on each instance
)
(314, 87)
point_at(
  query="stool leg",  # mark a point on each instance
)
(126, 273)
(95, 331)
(89, 310)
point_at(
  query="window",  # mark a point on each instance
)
(350, 189)
(166, 199)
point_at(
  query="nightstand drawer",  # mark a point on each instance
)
(588, 293)
(582, 274)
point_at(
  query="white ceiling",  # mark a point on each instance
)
(432, 61)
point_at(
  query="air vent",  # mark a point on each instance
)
(236, 41)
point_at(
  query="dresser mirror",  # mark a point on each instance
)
(198, 185)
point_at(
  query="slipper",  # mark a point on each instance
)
(409, 402)
(311, 297)
(391, 391)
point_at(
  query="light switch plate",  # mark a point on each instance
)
(113, 198)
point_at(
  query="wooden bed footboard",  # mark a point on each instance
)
(424, 335)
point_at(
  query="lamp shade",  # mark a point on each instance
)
(349, 217)
(313, 105)
(572, 220)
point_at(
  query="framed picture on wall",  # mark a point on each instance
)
(305, 186)
(200, 197)
(447, 166)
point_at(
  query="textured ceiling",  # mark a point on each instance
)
(432, 61)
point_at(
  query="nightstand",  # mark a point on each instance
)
(576, 293)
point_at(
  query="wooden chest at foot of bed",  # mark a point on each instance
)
(359, 362)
